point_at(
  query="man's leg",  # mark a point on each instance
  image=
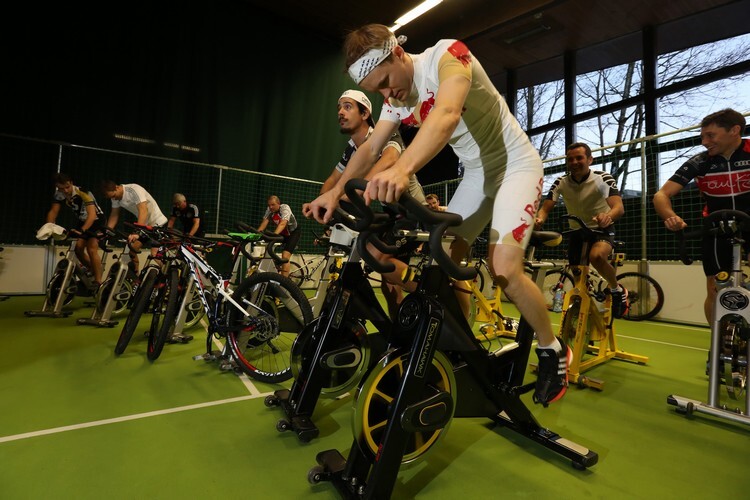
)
(708, 304)
(599, 258)
(554, 356)
(284, 271)
(459, 250)
(92, 247)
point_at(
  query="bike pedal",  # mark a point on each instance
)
(227, 366)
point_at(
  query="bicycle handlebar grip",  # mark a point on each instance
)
(366, 214)
(381, 267)
(684, 257)
(444, 220)
(274, 255)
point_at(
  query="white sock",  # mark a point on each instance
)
(554, 345)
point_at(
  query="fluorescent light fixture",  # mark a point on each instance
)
(414, 13)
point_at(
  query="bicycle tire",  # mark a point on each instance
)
(140, 302)
(551, 279)
(195, 310)
(261, 343)
(161, 323)
(296, 274)
(645, 294)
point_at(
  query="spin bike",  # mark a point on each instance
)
(115, 292)
(730, 331)
(332, 353)
(434, 370)
(70, 279)
(587, 324)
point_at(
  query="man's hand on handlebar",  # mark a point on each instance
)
(387, 186)
(321, 208)
(675, 223)
(602, 220)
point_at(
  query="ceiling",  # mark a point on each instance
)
(513, 34)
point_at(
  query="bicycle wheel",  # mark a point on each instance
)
(140, 302)
(645, 295)
(162, 321)
(380, 388)
(296, 274)
(195, 309)
(551, 279)
(261, 340)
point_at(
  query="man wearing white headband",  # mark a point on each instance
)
(355, 120)
(445, 92)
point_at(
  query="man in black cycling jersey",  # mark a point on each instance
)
(354, 111)
(593, 196)
(721, 174)
(90, 217)
(188, 215)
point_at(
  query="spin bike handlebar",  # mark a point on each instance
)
(721, 223)
(589, 231)
(440, 220)
(272, 239)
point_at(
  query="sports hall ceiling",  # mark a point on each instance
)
(512, 34)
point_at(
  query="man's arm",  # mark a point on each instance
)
(114, 216)
(170, 222)
(142, 212)
(616, 210)
(367, 154)
(331, 181)
(90, 217)
(432, 136)
(54, 211)
(281, 226)
(663, 205)
(263, 225)
(386, 161)
(196, 225)
(544, 210)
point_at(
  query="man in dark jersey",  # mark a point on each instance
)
(188, 215)
(593, 196)
(354, 111)
(722, 174)
(90, 218)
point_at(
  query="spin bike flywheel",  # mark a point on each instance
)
(380, 388)
(734, 357)
(345, 367)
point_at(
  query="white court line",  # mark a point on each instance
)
(137, 416)
(254, 393)
(671, 344)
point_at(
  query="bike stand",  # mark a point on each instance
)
(55, 310)
(727, 337)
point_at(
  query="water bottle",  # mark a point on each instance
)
(557, 301)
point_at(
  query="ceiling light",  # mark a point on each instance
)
(414, 13)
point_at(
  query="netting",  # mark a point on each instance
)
(226, 195)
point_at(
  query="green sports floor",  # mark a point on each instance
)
(79, 423)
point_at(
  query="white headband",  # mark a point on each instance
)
(370, 59)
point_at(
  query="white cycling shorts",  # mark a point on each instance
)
(510, 199)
